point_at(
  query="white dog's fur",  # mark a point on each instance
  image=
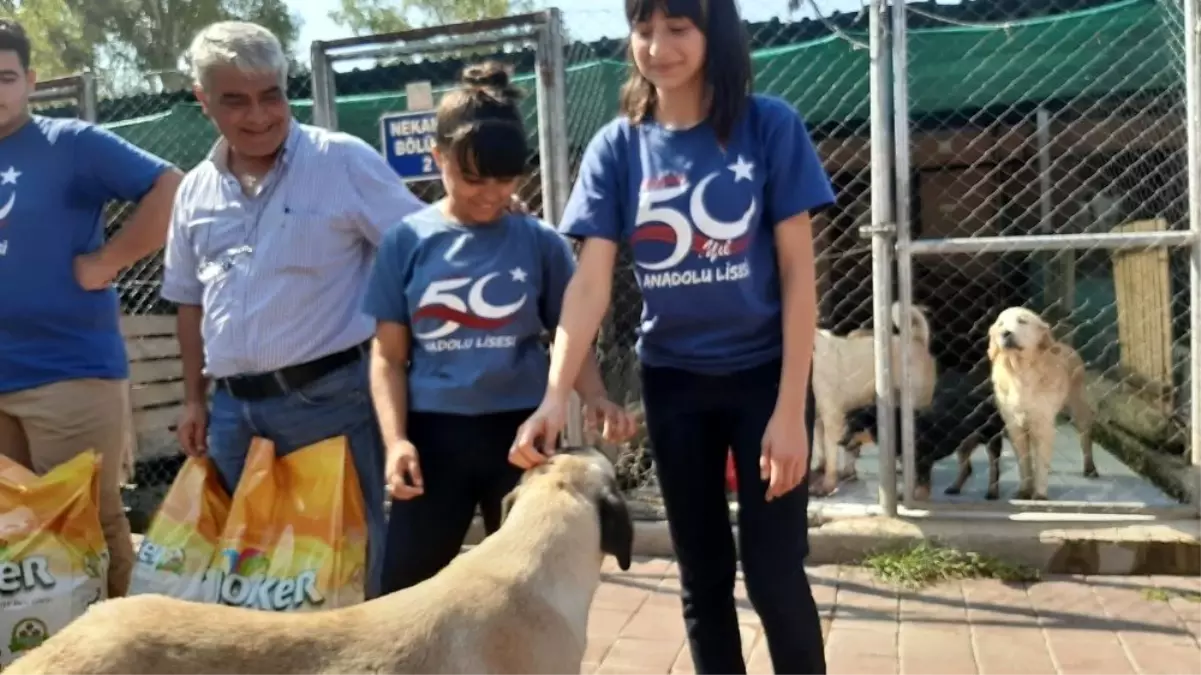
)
(1034, 378)
(844, 378)
(516, 603)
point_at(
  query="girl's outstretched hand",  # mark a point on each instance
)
(614, 422)
(537, 436)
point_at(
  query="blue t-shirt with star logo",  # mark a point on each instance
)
(56, 177)
(476, 300)
(700, 220)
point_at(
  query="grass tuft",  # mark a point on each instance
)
(914, 566)
(1166, 594)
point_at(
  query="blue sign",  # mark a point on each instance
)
(407, 139)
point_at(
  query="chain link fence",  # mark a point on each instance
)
(370, 81)
(818, 61)
(1042, 162)
(530, 46)
(444, 52)
(1024, 120)
(70, 96)
(1029, 118)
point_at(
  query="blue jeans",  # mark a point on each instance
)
(338, 404)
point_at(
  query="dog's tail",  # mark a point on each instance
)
(919, 325)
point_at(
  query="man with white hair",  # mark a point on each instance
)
(270, 243)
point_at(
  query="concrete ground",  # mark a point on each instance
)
(1066, 624)
(1116, 484)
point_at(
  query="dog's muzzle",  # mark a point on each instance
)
(1008, 340)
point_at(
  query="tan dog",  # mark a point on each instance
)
(516, 603)
(844, 378)
(1034, 377)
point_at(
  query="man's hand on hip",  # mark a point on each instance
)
(93, 272)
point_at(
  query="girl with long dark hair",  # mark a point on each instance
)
(713, 187)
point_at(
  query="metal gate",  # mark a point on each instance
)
(73, 95)
(1049, 162)
(528, 42)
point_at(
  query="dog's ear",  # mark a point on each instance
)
(616, 526)
(994, 347)
(1045, 340)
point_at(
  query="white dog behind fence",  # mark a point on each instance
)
(844, 378)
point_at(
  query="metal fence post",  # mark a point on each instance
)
(552, 129)
(325, 105)
(553, 149)
(900, 110)
(544, 29)
(87, 97)
(882, 231)
(1192, 62)
(1046, 206)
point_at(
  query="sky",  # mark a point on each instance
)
(585, 19)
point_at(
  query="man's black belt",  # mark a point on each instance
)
(290, 378)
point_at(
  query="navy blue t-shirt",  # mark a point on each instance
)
(476, 300)
(700, 220)
(56, 177)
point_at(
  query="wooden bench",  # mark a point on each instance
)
(156, 376)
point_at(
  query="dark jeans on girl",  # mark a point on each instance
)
(464, 463)
(692, 421)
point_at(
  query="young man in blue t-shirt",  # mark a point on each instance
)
(64, 375)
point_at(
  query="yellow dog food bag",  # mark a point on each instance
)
(53, 558)
(296, 538)
(181, 542)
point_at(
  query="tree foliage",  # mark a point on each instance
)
(369, 17)
(62, 43)
(143, 38)
(155, 34)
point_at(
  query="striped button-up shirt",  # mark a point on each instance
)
(280, 275)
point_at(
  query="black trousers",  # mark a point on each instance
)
(464, 464)
(693, 420)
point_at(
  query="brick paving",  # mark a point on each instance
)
(1063, 624)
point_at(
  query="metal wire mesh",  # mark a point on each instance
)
(819, 63)
(529, 188)
(173, 126)
(1067, 119)
(1108, 78)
